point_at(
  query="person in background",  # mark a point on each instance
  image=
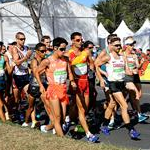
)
(21, 54)
(47, 41)
(33, 89)
(4, 65)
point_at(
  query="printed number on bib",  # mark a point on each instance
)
(60, 76)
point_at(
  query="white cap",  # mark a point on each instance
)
(129, 41)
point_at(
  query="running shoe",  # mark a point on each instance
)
(105, 130)
(142, 117)
(54, 131)
(111, 125)
(134, 134)
(65, 128)
(22, 117)
(43, 129)
(25, 124)
(93, 138)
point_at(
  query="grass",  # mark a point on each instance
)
(14, 137)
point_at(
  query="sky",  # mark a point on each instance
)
(86, 2)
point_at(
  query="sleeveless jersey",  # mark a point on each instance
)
(78, 62)
(115, 69)
(57, 71)
(22, 69)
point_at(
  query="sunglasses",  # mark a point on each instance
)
(117, 45)
(90, 47)
(22, 39)
(62, 49)
(130, 44)
(42, 51)
(78, 40)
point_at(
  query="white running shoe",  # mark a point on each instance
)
(54, 131)
(43, 129)
(25, 124)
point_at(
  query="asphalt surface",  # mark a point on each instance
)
(120, 136)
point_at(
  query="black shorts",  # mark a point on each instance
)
(2, 83)
(21, 80)
(129, 78)
(116, 86)
(136, 78)
(34, 91)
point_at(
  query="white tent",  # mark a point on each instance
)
(58, 18)
(123, 31)
(102, 35)
(102, 32)
(142, 36)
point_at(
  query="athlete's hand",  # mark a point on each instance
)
(29, 53)
(73, 84)
(102, 84)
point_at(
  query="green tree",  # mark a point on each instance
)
(109, 13)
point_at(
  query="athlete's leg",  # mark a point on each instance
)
(56, 112)
(2, 115)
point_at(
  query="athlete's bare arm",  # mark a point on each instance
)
(43, 65)
(98, 62)
(7, 65)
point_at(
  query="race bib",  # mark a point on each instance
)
(60, 76)
(119, 72)
(80, 69)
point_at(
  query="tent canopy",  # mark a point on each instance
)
(123, 31)
(58, 18)
(102, 32)
(145, 28)
(142, 36)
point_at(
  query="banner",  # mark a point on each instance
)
(144, 72)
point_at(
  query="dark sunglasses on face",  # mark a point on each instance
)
(78, 40)
(42, 51)
(117, 45)
(62, 49)
(130, 44)
(22, 39)
(91, 47)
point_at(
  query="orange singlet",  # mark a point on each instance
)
(57, 75)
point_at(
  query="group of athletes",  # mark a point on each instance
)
(52, 65)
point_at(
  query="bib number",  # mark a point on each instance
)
(60, 76)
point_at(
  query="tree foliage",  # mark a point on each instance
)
(111, 13)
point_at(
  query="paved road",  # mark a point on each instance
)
(120, 137)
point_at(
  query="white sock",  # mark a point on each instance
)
(111, 121)
(67, 119)
(54, 131)
(88, 134)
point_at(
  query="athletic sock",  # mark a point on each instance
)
(129, 126)
(106, 122)
(88, 134)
